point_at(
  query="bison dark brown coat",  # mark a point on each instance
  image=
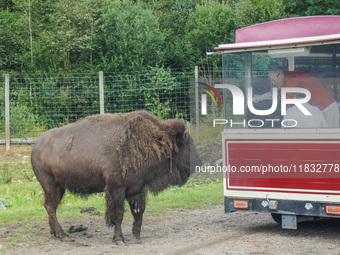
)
(121, 154)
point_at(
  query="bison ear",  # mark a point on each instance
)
(142, 142)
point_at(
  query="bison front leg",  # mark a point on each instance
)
(137, 206)
(115, 211)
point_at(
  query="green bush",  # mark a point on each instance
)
(23, 123)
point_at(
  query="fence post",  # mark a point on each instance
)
(197, 106)
(8, 140)
(101, 91)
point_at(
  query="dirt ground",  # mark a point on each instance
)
(194, 232)
(15, 154)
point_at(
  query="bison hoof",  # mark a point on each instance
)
(120, 243)
(136, 233)
(67, 239)
(138, 241)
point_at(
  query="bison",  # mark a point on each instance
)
(123, 155)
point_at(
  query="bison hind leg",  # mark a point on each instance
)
(54, 192)
(115, 211)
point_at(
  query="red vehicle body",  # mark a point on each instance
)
(292, 173)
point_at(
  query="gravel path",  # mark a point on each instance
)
(203, 231)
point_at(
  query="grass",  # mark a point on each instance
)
(24, 200)
(20, 235)
(16, 171)
(197, 193)
(206, 131)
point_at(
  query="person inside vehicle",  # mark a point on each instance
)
(262, 100)
(296, 118)
(319, 95)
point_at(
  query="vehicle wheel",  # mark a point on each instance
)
(277, 217)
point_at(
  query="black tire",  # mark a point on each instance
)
(277, 217)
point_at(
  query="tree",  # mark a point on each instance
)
(131, 38)
(6, 5)
(75, 28)
(211, 24)
(250, 12)
(311, 7)
(13, 41)
(173, 16)
(32, 19)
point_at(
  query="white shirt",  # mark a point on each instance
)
(316, 120)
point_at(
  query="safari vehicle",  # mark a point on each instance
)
(291, 172)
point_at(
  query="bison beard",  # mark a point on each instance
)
(123, 155)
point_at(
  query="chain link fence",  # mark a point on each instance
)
(39, 102)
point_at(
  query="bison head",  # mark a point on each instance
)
(187, 157)
(162, 150)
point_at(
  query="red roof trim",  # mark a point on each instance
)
(286, 32)
(309, 26)
(292, 41)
